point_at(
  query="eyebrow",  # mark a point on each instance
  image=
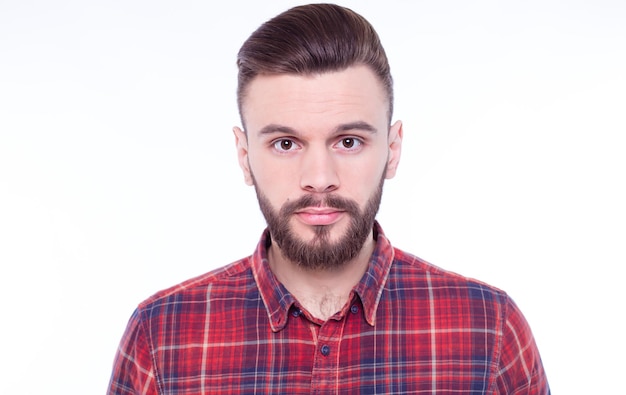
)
(344, 127)
(358, 125)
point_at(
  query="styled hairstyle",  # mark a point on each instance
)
(312, 39)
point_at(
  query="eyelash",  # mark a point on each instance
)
(355, 141)
(277, 144)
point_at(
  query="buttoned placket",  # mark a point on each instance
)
(325, 373)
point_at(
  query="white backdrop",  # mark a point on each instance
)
(118, 173)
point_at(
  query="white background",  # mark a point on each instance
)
(118, 173)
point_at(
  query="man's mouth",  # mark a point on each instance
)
(318, 216)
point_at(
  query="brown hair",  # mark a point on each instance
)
(314, 38)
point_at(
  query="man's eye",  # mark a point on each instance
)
(350, 143)
(285, 145)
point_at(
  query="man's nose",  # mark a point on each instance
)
(319, 172)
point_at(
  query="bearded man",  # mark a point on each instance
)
(325, 304)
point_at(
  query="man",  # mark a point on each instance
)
(325, 304)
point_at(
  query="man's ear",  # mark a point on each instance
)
(241, 141)
(395, 149)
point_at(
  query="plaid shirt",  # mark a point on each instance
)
(409, 327)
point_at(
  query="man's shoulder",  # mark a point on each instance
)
(236, 276)
(412, 269)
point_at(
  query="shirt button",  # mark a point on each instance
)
(325, 350)
(296, 313)
(354, 309)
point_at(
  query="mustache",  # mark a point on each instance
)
(330, 201)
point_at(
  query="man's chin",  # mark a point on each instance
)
(319, 248)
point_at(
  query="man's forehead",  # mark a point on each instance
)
(351, 92)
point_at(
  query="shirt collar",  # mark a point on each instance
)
(371, 286)
(278, 300)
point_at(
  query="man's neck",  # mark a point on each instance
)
(321, 292)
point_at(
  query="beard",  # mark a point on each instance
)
(321, 253)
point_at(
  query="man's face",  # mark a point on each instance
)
(317, 149)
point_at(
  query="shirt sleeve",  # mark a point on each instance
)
(520, 370)
(133, 370)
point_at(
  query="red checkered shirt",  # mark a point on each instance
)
(409, 327)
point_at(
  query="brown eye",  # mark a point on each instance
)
(285, 145)
(348, 142)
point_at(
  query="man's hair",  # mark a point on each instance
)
(312, 39)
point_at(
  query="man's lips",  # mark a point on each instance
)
(319, 215)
